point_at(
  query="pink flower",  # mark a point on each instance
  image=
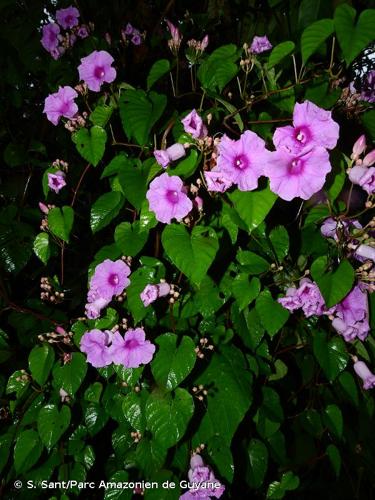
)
(217, 181)
(128, 29)
(132, 350)
(43, 208)
(365, 252)
(364, 177)
(293, 175)
(369, 159)
(193, 124)
(363, 371)
(306, 297)
(56, 181)
(359, 147)
(242, 162)
(351, 319)
(136, 39)
(167, 198)
(153, 292)
(95, 344)
(50, 39)
(83, 31)
(93, 308)
(202, 481)
(292, 300)
(95, 69)
(204, 43)
(110, 278)
(67, 18)
(61, 103)
(260, 44)
(337, 229)
(312, 126)
(173, 153)
(175, 33)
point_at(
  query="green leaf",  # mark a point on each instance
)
(253, 206)
(281, 370)
(278, 53)
(133, 406)
(207, 298)
(70, 375)
(130, 238)
(133, 180)
(119, 478)
(229, 386)
(41, 247)
(101, 115)
(16, 243)
(258, 463)
(272, 314)
(331, 355)
(277, 490)
(138, 280)
(139, 112)
(60, 222)
(252, 262)
(221, 456)
(219, 68)
(368, 121)
(333, 420)
(168, 415)
(245, 290)
(158, 69)
(52, 424)
(95, 417)
(334, 286)
(150, 455)
(27, 450)
(90, 143)
(349, 387)
(314, 35)
(335, 458)
(18, 383)
(105, 209)
(192, 254)
(173, 362)
(41, 360)
(279, 238)
(6, 443)
(353, 37)
(186, 167)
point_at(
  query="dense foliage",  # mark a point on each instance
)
(187, 249)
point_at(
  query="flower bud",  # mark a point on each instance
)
(359, 147)
(369, 159)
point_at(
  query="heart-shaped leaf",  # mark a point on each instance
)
(279, 52)
(60, 222)
(314, 35)
(353, 37)
(130, 238)
(192, 254)
(41, 359)
(90, 143)
(333, 285)
(70, 376)
(52, 424)
(105, 208)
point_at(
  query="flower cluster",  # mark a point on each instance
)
(175, 42)
(56, 42)
(109, 280)
(132, 34)
(202, 482)
(306, 297)
(104, 348)
(363, 173)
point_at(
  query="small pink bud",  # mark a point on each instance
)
(60, 330)
(198, 202)
(359, 147)
(369, 159)
(204, 42)
(43, 208)
(176, 151)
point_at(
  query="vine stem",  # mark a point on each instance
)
(79, 184)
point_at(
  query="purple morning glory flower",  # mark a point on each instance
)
(165, 156)
(153, 292)
(306, 297)
(95, 344)
(365, 252)
(136, 39)
(95, 69)
(193, 124)
(363, 177)
(67, 18)
(93, 308)
(167, 198)
(242, 162)
(366, 375)
(128, 29)
(351, 319)
(293, 175)
(292, 300)
(133, 350)
(260, 44)
(61, 103)
(202, 481)
(312, 126)
(83, 31)
(50, 39)
(110, 278)
(56, 181)
(217, 181)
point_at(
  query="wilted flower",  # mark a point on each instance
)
(312, 126)
(67, 18)
(61, 103)
(293, 175)
(56, 180)
(95, 69)
(95, 344)
(94, 308)
(242, 162)
(366, 375)
(132, 350)
(167, 198)
(50, 39)
(110, 278)
(364, 177)
(165, 156)
(306, 297)
(193, 124)
(260, 44)
(351, 315)
(335, 229)
(202, 482)
(153, 292)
